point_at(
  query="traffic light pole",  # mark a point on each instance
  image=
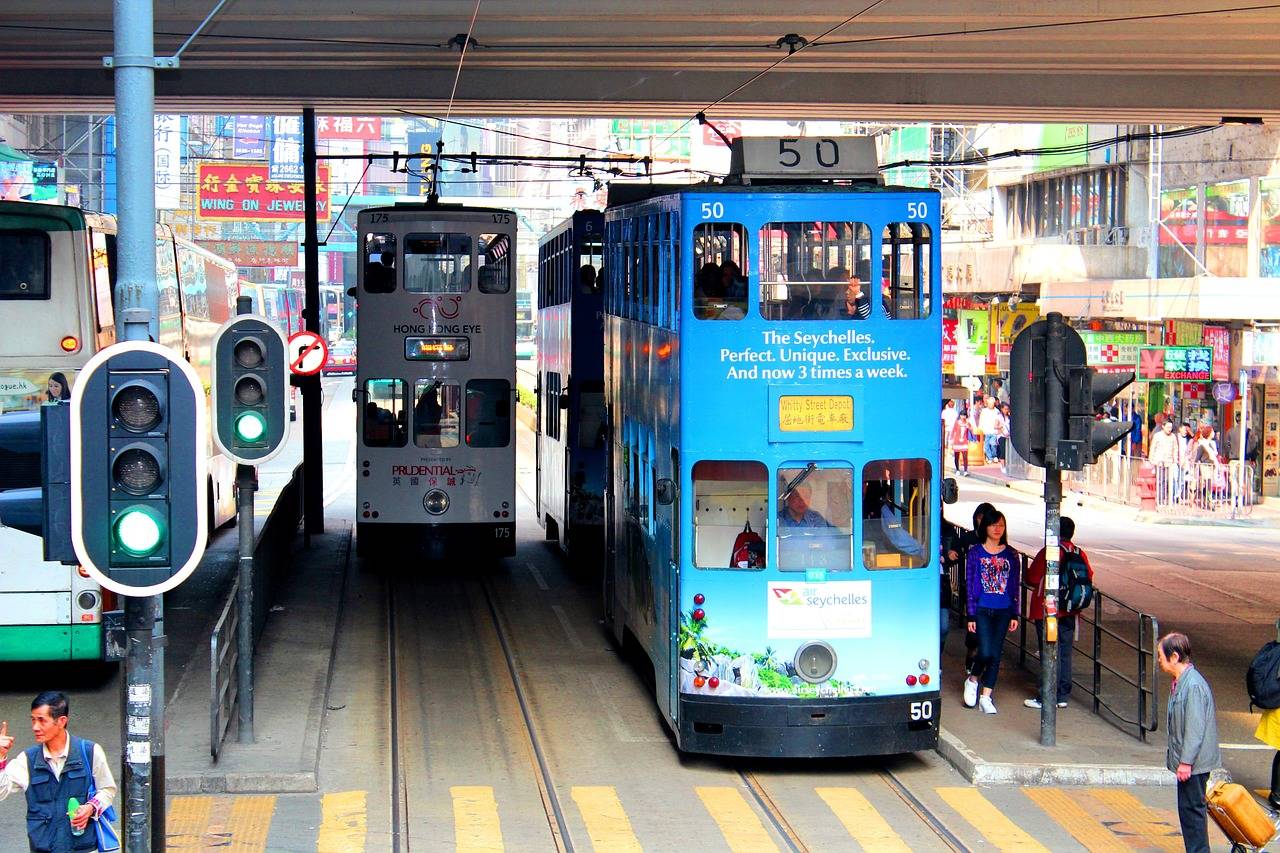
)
(246, 485)
(1055, 406)
(312, 438)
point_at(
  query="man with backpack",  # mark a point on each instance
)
(1075, 593)
(1263, 683)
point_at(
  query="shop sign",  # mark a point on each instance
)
(286, 149)
(1260, 349)
(1224, 392)
(973, 341)
(949, 346)
(250, 138)
(243, 192)
(1218, 338)
(1184, 333)
(1112, 352)
(1184, 364)
(367, 128)
(255, 253)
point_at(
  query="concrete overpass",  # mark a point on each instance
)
(1135, 61)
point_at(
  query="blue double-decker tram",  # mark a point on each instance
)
(771, 371)
(570, 421)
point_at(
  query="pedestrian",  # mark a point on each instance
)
(52, 772)
(989, 426)
(992, 571)
(1164, 455)
(958, 441)
(1268, 732)
(1193, 738)
(1002, 440)
(949, 415)
(957, 554)
(1066, 621)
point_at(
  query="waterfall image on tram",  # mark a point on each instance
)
(771, 352)
(435, 380)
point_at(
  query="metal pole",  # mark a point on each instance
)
(1055, 417)
(312, 438)
(139, 614)
(246, 485)
(1243, 482)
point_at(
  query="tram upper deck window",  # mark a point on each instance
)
(24, 265)
(488, 413)
(905, 249)
(436, 413)
(896, 507)
(383, 420)
(730, 500)
(379, 263)
(493, 253)
(815, 518)
(815, 271)
(719, 271)
(437, 263)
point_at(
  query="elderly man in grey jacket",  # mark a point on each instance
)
(1193, 738)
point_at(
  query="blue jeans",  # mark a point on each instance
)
(992, 625)
(1066, 636)
(991, 447)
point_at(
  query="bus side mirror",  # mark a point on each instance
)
(950, 492)
(665, 491)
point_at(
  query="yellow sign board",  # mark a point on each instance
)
(815, 414)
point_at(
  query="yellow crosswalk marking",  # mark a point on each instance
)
(186, 822)
(988, 820)
(860, 818)
(741, 829)
(475, 819)
(1083, 826)
(248, 823)
(344, 822)
(607, 823)
(1130, 816)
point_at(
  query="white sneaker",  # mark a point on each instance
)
(1035, 703)
(986, 706)
(970, 692)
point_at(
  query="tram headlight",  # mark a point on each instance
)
(436, 502)
(815, 662)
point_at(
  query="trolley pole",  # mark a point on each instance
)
(312, 438)
(1055, 417)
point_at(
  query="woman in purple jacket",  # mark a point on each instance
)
(993, 572)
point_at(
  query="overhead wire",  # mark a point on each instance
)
(462, 58)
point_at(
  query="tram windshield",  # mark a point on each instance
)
(815, 271)
(896, 505)
(904, 283)
(815, 517)
(437, 263)
(24, 265)
(435, 413)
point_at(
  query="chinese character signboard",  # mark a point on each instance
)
(1189, 364)
(249, 139)
(365, 128)
(286, 149)
(168, 145)
(973, 342)
(232, 192)
(255, 253)
(1112, 352)
(949, 346)
(1218, 338)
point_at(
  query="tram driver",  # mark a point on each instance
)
(795, 511)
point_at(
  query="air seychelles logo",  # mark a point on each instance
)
(788, 597)
(444, 305)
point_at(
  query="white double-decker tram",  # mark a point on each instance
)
(435, 382)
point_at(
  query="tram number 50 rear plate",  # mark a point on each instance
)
(922, 710)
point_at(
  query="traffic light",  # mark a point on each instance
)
(1028, 366)
(1088, 389)
(139, 459)
(250, 390)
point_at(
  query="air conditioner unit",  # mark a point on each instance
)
(1002, 362)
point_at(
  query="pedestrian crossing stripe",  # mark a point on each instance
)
(1099, 819)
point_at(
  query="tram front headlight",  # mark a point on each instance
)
(436, 502)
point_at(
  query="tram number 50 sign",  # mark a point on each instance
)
(805, 157)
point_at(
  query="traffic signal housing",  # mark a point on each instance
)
(1028, 367)
(250, 390)
(139, 460)
(1087, 390)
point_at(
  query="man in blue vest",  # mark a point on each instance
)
(52, 772)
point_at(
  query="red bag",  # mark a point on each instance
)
(748, 550)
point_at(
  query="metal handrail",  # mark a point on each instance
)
(1136, 638)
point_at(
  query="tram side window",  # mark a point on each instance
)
(488, 413)
(24, 265)
(436, 412)
(551, 429)
(719, 271)
(379, 263)
(384, 415)
(437, 263)
(728, 498)
(815, 271)
(815, 517)
(896, 507)
(591, 255)
(904, 286)
(493, 253)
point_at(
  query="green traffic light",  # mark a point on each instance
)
(137, 532)
(250, 427)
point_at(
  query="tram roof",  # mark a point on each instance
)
(624, 194)
(434, 207)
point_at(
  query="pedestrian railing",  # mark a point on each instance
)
(1113, 477)
(1114, 655)
(1205, 489)
(224, 650)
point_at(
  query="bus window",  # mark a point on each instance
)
(904, 283)
(488, 413)
(896, 507)
(435, 413)
(103, 282)
(815, 518)
(494, 255)
(815, 271)
(437, 263)
(24, 265)
(379, 263)
(384, 415)
(719, 271)
(730, 499)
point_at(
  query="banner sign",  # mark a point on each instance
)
(244, 192)
(949, 346)
(365, 128)
(1183, 364)
(286, 149)
(1218, 338)
(973, 342)
(254, 253)
(249, 138)
(1112, 352)
(168, 147)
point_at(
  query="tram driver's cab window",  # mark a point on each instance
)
(720, 271)
(379, 263)
(437, 263)
(815, 271)
(730, 514)
(896, 504)
(383, 421)
(493, 253)
(814, 517)
(905, 249)
(488, 413)
(436, 413)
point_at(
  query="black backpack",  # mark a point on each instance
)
(1075, 590)
(1263, 679)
